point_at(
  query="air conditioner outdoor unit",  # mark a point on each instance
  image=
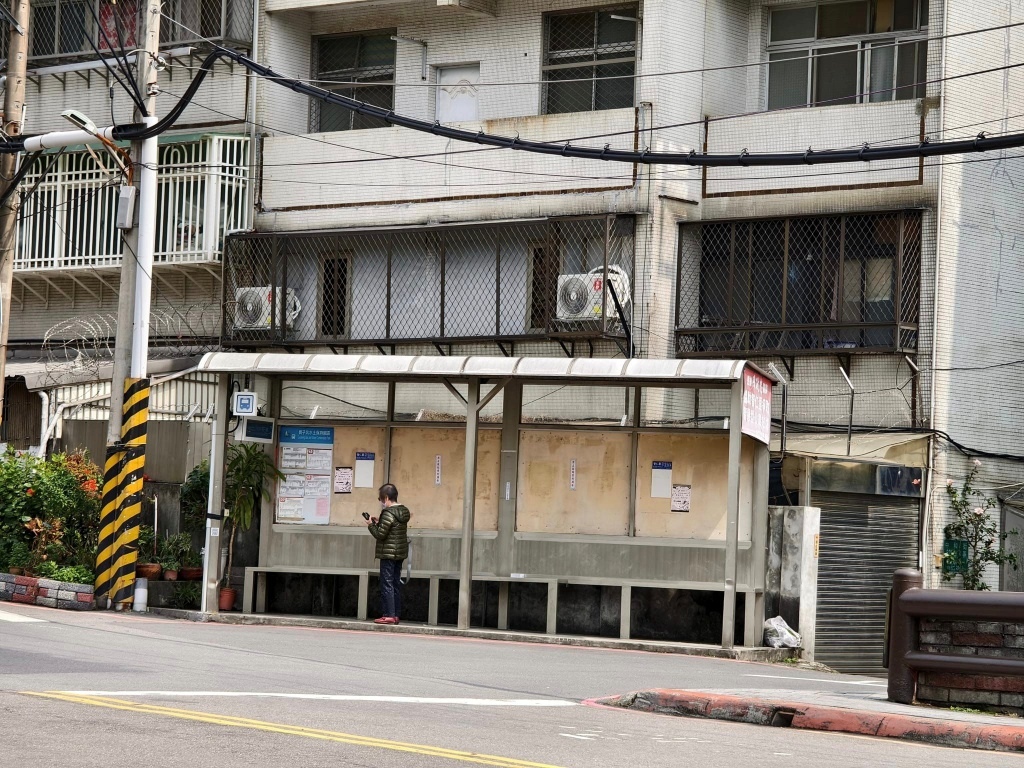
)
(255, 309)
(580, 297)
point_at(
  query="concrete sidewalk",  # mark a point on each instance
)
(738, 653)
(859, 712)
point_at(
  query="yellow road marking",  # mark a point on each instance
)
(290, 730)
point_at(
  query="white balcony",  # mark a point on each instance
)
(67, 223)
(794, 130)
(333, 176)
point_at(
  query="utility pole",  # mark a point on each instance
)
(14, 108)
(131, 339)
(129, 385)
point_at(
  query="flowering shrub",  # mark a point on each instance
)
(51, 506)
(973, 525)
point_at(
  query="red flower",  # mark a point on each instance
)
(89, 485)
(30, 492)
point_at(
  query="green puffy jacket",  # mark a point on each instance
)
(392, 533)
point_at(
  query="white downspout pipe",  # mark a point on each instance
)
(44, 396)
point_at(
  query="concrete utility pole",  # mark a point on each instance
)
(14, 107)
(131, 340)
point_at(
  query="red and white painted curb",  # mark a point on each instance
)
(814, 717)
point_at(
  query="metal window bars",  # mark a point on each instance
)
(365, 64)
(590, 59)
(202, 194)
(562, 278)
(828, 284)
(67, 30)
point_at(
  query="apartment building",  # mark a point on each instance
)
(882, 293)
(68, 253)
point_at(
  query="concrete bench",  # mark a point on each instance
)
(503, 584)
(257, 576)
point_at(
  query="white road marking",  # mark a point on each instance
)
(335, 697)
(17, 618)
(824, 680)
(577, 736)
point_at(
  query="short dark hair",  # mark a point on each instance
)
(388, 491)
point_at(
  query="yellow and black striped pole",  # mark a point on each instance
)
(126, 541)
(108, 520)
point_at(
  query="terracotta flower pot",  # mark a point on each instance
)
(16, 571)
(170, 575)
(149, 571)
(191, 574)
(226, 598)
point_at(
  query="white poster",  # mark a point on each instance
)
(364, 470)
(293, 486)
(343, 477)
(318, 486)
(661, 479)
(289, 509)
(681, 498)
(319, 459)
(293, 457)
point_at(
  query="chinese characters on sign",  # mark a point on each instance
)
(305, 457)
(757, 406)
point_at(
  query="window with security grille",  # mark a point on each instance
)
(363, 66)
(816, 283)
(60, 28)
(847, 53)
(334, 293)
(590, 59)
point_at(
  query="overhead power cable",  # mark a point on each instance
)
(867, 153)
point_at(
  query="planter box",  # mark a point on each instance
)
(46, 592)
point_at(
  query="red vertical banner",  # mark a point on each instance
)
(757, 406)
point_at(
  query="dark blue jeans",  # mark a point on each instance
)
(391, 587)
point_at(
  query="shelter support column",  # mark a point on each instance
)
(469, 504)
(732, 530)
(215, 508)
(508, 480)
(753, 614)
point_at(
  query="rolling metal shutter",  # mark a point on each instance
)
(863, 540)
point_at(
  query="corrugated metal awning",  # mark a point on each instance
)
(908, 449)
(594, 370)
(45, 374)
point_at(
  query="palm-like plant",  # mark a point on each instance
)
(246, 473)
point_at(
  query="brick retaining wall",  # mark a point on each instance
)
(46, 592)
(972, 638)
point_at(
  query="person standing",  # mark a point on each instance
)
(392, 535)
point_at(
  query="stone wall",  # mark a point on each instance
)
(985, 639)
(46, 592)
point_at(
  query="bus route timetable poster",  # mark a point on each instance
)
(306, 458)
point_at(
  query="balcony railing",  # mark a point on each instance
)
(827, 284)
(68, 30)
(202, 194)
(566, 278)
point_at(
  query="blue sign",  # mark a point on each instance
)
(661, 465)
(364, 457)
(307, 435)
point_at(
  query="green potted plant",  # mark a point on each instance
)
(148, 565)
(191, 566)
(247, 472)
(171, 551)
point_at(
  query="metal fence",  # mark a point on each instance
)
(834, 284)
(68, 220)
(565, 278)
(69, 29)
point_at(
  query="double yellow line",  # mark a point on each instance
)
(290, 730)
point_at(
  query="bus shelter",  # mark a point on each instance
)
(576, 471)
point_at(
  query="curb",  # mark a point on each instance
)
(790, 714)
(767, 655)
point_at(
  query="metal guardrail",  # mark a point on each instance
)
(909, 603)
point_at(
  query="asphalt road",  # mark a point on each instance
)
(121, 690)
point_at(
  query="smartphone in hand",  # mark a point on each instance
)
(366, 515)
